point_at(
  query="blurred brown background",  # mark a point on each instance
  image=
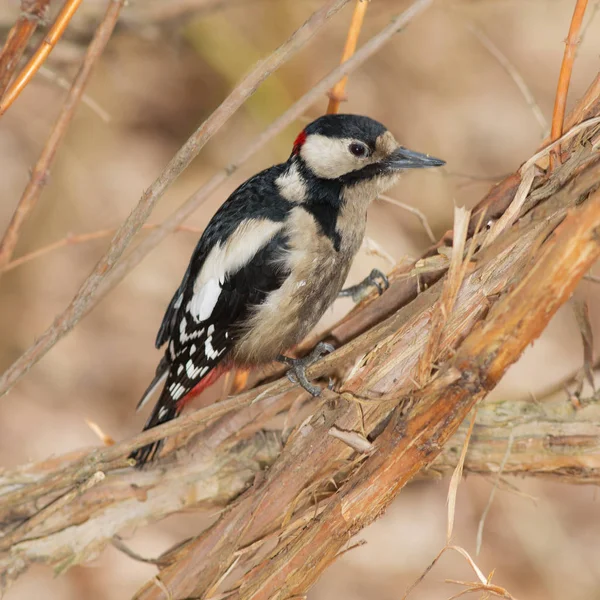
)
(441, 92)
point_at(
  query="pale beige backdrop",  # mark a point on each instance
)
(439, 91)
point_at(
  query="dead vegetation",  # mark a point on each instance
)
(409, 368)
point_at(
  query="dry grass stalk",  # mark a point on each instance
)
(32, 13)
(505, 458)
(415, 211)
(82, 238)
(41, 54)
(336, 95)
(564, 78)
(582, 315)
(456, 479)
(514, 74)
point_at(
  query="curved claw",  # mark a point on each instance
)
(297, 372)
(375, 279)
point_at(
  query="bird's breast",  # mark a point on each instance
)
(317, 271)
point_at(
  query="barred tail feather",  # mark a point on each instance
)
(164, 410)
(162, 371)
(167, 408)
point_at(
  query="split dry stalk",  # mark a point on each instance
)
(33, 13)
(41, 54)
(41, 170)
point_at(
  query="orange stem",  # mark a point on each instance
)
(336, 95)
(36, 61)
(32, 13)
(564, 79)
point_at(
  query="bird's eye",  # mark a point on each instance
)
(359, 150)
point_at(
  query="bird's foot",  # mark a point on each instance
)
(359, 291)
(297, 372)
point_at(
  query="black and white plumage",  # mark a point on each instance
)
(274, 257)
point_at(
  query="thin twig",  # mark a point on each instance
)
(479, 541)
(514, 74)
(33, 12)
(456, 479)
(336, 95)
(86, 293)
(527, 172)
(564, 137)
(91, 292)
(592, 278)
(72, 240)
(40, 171)
(564, 78)
(41, 54)
(415, 211)
(61, 82)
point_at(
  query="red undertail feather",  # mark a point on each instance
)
(210, 378)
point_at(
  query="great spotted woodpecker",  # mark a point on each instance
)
(273, 259)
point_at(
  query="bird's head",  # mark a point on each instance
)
(353, 148)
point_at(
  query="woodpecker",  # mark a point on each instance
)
(272, 260)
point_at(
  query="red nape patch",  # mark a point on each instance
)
(210, 378)
(299, 142)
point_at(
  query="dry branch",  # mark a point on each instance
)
(336, 95)
(41, 54)
(32, 13)
(549, 438)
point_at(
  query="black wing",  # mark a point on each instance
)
(258, 197)
(199, 348)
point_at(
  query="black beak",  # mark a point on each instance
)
(403, 158)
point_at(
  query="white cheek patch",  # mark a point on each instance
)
(329, 158)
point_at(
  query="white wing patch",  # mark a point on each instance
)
(238, 250)
(204, 300)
